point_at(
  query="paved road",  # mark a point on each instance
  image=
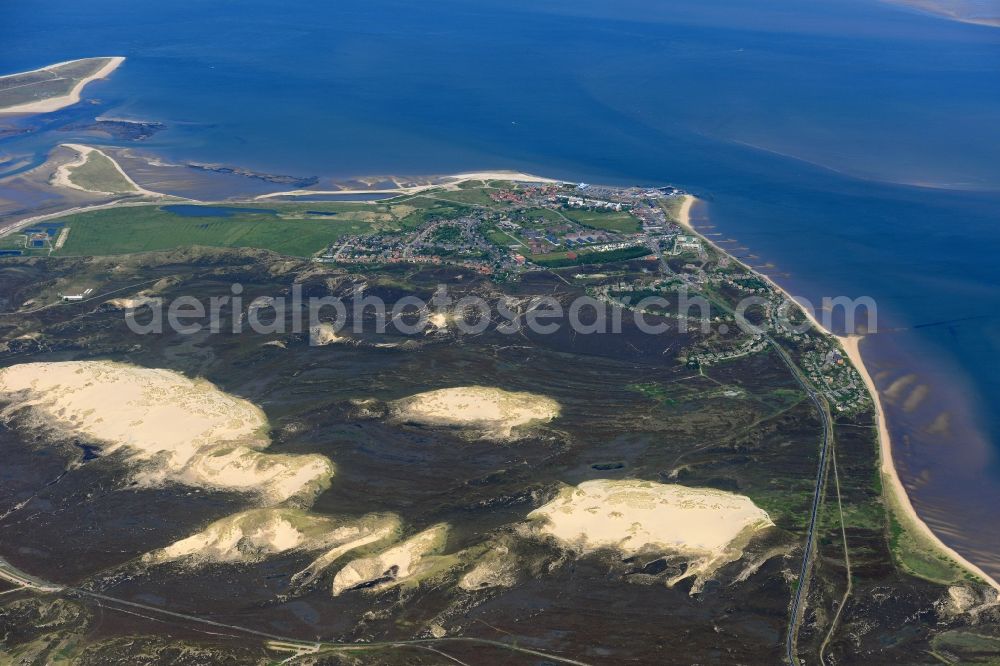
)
(12, 574)
(807, 556)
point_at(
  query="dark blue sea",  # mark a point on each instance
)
(852, 144)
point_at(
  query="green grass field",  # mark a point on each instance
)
(915, 552)
(437, 210)
(299, 229)
(99, 174)
(149, 228)
(562, 259)
(621, 222)
(478, 197)
(539, 217)
(294, 228)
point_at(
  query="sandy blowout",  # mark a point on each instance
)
(496, 568)
(325, 334)
(170, 427)
(708, 526)
(410, 558)
(482, 411)
(253, 535)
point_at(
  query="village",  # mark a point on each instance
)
(530, 227)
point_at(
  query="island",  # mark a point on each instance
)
(280, 482)
(53, 87)
(978, 12)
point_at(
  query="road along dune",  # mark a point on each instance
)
(170, 428)
(708, 527)
(479, 411)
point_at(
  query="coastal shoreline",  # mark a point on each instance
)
(903, 505)
(447, 181)
(893, 490)
(70, 98)
(453, 181)
(941, 10)
(61, 177)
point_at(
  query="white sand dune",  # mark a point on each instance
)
(710, 527)
(482, 411)
(366, 532)
(405, 560)
(251, 536)
(133, 303)
(170, 427)
(276, 477)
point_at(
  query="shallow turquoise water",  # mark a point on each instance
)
(851, 143)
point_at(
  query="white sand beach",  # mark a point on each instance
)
(891, 480)
(321, 335)
(446, 182)
(496, 568)
(894, 486)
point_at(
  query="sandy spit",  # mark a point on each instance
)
(448, 182)
(63, 174)
(56, 103)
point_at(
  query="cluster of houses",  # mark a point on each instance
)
(525, 194)
(839, 382)
(586, 238)
(751, 345)
(652, 217)
(581, 202)
(685, 243)
(531, 231)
